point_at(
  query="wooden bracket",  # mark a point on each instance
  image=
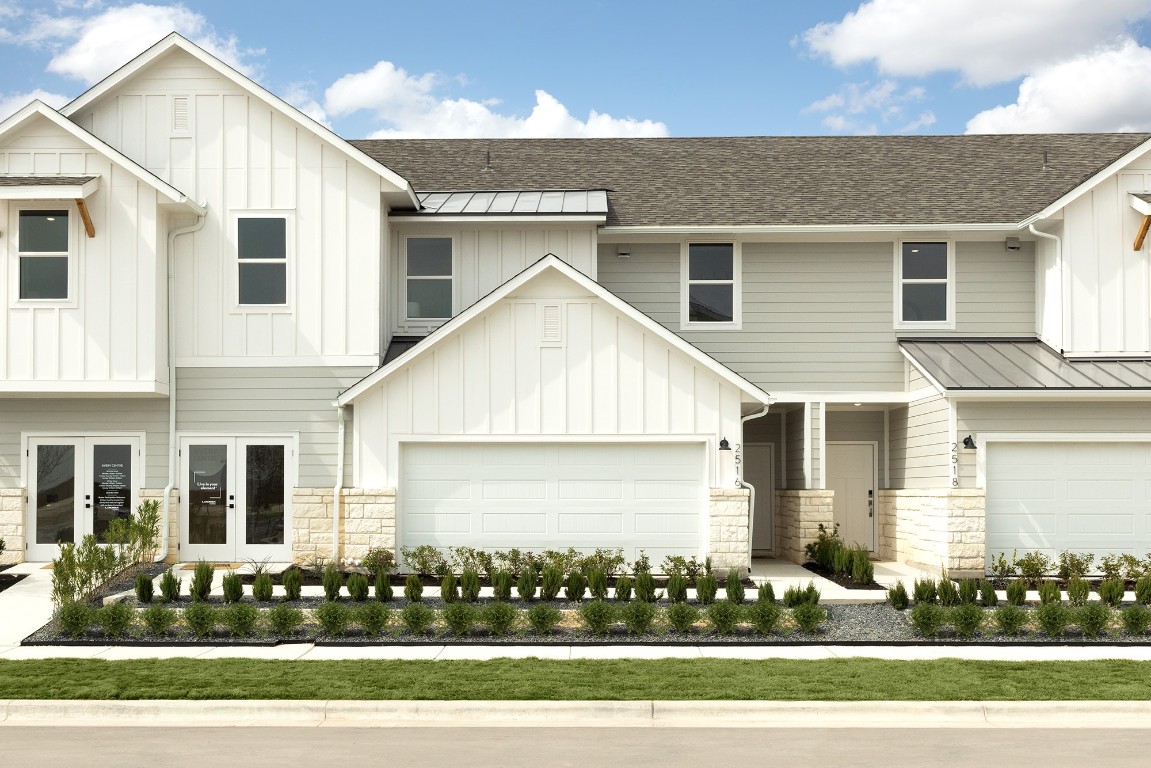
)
(87, 217)
(1142, 235)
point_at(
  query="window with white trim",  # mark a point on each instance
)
(262, 260)
(44, 243)
(711, 285)
(926, 285)
(428, 277)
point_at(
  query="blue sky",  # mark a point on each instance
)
(456, 68)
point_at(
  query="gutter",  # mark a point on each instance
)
(739, 481)
(167, 500)
(338, 488)
(1062, 296)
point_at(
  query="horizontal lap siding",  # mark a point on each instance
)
(796, 477)
(994, 289)
(919, 441)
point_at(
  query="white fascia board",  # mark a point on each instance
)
(1088, 185)
(931, 379)
(84, 388)
(554, 262)
(281, 361)
(1142, 206)
(175, 40)
(1017, 395)
(51, 191)
(455, 218)
(813, 229)
(842, 398)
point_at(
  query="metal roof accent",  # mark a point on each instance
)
(515, 202)
(36, 181)
(1020, 364)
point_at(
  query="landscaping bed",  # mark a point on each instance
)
(8, 579)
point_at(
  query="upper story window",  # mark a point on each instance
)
(428, 278)
(711, 286)
(925, 294)
(44, 244)
(262, 260)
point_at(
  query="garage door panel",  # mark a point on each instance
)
(590, 522)
(419, 489)
(668, 489)
(1101, 524)
(1020, 524)
(515, 522)
(646, 522)
(577, 455)
(441, 522)
(513, 455)
(1009, 490)
(504, 490)
(441, 455)
(590, 489)
(1091, 490)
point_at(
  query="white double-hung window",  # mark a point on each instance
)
(711, 286)
(45, 261)
(428, 278)
(262, 260)
(925, 290)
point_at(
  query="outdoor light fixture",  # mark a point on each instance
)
(969, 443)
(724, 445)
(623, 251)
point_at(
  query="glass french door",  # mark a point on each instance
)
(77, 486)
(235, 498)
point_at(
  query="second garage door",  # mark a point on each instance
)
(1054, 496)
(537, 496)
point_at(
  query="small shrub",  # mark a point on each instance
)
(1092, 618)
(764, 615)
(927, 618)
(796, 596)
(682, 616)
(1111, 591)
(158, 619)
(1133, 567)
(948, 593)
(1033, 566)
(418, 618)
(642, 564)
(233, 588)
(1143, 590)
(478, 560)
(543, 618)
(262, 588)
(576, 586)
(333, 618)
(413, 588)
(1078, 591)
(968, 591)
(170, 586)
(723, 615)
(75, 618)
(502, 585)
(734, 588)
(1074, 565)
(1017, 592)
(379, 561)
(240, 619)
(705, 588)
(201, 585)
(967, 618)
(459, 617)
(200, 618)
(766, 593)
(637, 616)
(597, 584)
(645, 587)
(1010, 619)
(677, 588)
(987, 596)
(333, 580)
(358, 587)
(808, 616)
(1048, 592)
(449, 589)
(1001, 569)
(499, 617)
(551, 582)
(283, 619)
(425, 560)
(925, 591)
(116, 619)
(897, 597)
(143, 587)
(677, 565)
(1111, 566)
(1053, 618)
(862, 569)
(372, 617)
(842, 561)
(623, 585)
(469, 585)
(826, 544)
(293, 582)
(382, 589)
(598, 616)
(526, 585)
(1135, 619)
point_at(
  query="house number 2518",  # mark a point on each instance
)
(955, 465)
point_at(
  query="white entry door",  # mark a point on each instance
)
(852, 474)
(235, 502)
(76, 486)
(758, 466)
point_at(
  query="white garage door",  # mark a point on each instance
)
(535, 496)
(1086, 497)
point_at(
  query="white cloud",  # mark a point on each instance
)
(987, 41)
(1104, 90)
(299, 95)
(413, 107)
(861, 108)
(14, 102)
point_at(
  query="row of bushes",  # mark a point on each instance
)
(459, 619)
(968, 619)
(830, 552)
(1035, 566)
(427, 560)
(948, 593)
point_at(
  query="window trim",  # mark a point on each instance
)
(736, 282)
(289, 261)
(897, 310)
(73, 254)
(427, 322)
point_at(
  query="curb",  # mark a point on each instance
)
(635, 714)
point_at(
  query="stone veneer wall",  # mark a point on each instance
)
(311, 524)
(12, 524)
(797, 518)
(944, 527)
(367, 520)
(728, 543)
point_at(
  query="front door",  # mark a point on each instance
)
(236, 499)
(76, 486)
(851, 473)
(757, 469)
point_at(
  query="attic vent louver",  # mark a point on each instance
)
(551, 330)
(179, 113)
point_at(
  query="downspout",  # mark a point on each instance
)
(739, 481)
(338, 489)
(167, 503)
(1062, 298)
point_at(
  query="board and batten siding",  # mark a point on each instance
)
(819, 317)
(108, 337)
(240, 155)
(272, 401)
(919, 431)
(496, 375)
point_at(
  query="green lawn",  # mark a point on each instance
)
(833, 680)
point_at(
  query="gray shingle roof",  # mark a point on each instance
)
(39, 181)
(893, 180)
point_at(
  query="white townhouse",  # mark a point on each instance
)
(305, 345)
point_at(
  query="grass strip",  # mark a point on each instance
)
(519, 679)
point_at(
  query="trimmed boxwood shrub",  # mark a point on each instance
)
(283, 619)
(372, 617)
(764, 615)
(158, 619)
(460, 617)
(200, 618)
(927, 618)
(682, 616)
(543, 618)
(723, 615)
(1135, 619)
(499, 617)
(417, 617)
(333, 618)
(240, 619)
(808, 617)
(967, 619)
(1092, 618)
(1010, 619)
(598, 616)
(1053, 618)
(116, 619)
(75, 618)
(637, 616)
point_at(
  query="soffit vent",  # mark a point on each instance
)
(551, 330)
(180, 113)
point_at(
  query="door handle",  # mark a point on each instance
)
(87, 501)
(231, 502)
(871, 503)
